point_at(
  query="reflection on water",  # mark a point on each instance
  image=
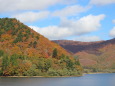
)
(87, 80)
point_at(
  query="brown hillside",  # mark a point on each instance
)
(99, 55)
(76, 46)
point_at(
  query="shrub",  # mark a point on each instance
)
(1, 53)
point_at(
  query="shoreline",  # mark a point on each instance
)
(50, 76)
(97, 73)
(39, 76)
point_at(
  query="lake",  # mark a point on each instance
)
(87, 80)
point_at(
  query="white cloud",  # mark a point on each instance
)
(53, 32)
(68, 28)
(112, 32)
(87, 38)
(113, 21)
(84, 25)
(102, 2)
(16, 5)
(31, 16)
(34, 16)
(70, 11)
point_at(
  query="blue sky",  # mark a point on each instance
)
(80, 20)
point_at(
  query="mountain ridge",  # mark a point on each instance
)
(79, 44)
(98, 56)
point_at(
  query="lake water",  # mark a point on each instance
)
(87, 80)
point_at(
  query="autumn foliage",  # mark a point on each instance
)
(24, 52)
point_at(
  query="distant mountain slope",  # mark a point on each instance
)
(98, 55)
(25, 52)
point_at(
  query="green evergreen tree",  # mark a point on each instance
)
(30, 44)
(1, 53)
(69, 64)
(34, 44)
(55, 53)
(37, 37)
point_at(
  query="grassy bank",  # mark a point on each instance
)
(91, 71)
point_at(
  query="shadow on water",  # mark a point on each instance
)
(87, 80)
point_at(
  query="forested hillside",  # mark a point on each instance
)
(24, 52)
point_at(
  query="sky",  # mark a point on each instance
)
(79, 20)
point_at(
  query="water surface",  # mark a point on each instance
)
(87, 80)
